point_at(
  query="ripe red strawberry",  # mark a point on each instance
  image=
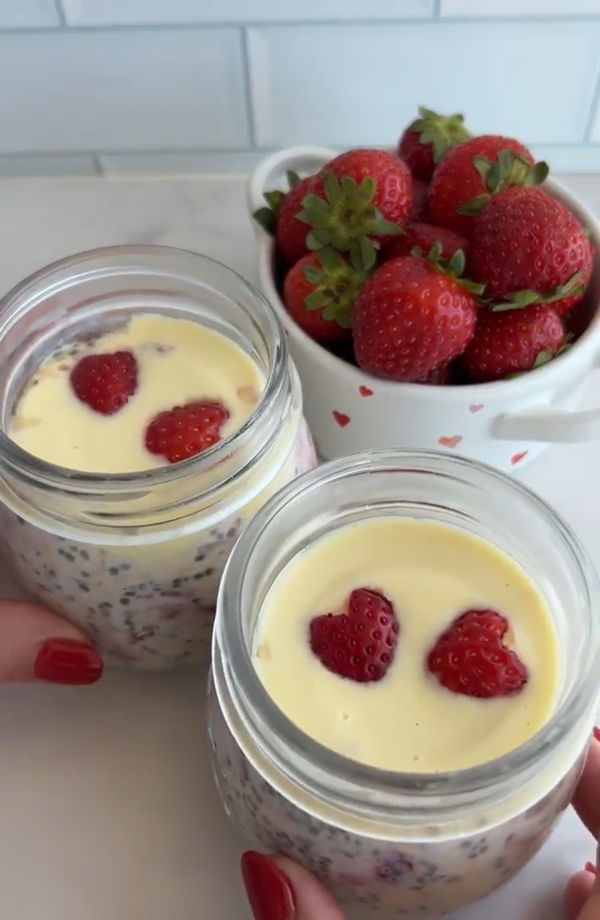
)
(470, 657)
(368, 194)
(319, 293)
(184, 431)
(512, 342)
(473, 171)
(419, 205)
(105, 381)
(279, 217)
(528, 248)
(410, 318)
(439, 377)
(428, 138)
(423, 236)
(360, 644)
(291, 233)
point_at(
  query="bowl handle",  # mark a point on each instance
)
(270, 172)
(549, 425)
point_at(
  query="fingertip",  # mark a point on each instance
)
(577, 892)
(313, 901)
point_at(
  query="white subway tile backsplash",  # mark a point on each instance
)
(111, 12)
(48, 165)
(519, 7)
(19, 14)
(596, 124)
(177, 164)
(349, 85)
(111, 90)
(583, 159)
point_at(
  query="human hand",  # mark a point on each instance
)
(36, 644)
(279, 889)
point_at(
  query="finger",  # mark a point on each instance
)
(587, 799)
(577, 893)
(279, 889)
(36, 644)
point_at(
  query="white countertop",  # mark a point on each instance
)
(107, 806)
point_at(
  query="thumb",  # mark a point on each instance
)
(279, 889)
(36, 644)
(582, 898)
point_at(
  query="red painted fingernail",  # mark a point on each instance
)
(590, 867)
(269, 892)
(67, 661)
(597, 733)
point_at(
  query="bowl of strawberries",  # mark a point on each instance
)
(442, 295)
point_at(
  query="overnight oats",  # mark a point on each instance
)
(149, 409)
(404, 679)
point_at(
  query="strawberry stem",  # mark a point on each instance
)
(509, 169)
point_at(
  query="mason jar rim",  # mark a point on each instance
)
(341, 772)
(155, 259)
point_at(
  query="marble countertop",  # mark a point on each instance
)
(108, 809)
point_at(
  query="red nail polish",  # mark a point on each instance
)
(590, 867)
(67, 661)
(269, 892)
(597, 733)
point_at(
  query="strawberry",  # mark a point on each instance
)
(528, 248)
(360, 644)
(412, 316)
(472, 172)
(184, 431)
(105, 382)
(470, 657)
(512, 342)
(423, 236)
(368, 195)
(280, 217)
(319, 294)
(439, 377)
(428, 138)
(419, 205)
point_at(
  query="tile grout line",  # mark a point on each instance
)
(219, 151)
(99, 168)
(593, 113)
(437, 9)
(248, 90)
(556, 18)
(60, 12)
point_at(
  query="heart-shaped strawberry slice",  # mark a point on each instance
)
(361, 643)
(471, 658)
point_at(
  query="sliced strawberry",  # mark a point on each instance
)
(470, 657)
(512, 342)
(185, 431)
(423, 236)
(428, 139)
(105, 382)
(360, 644)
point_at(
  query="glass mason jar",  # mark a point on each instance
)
(136, 559)
(393, 844)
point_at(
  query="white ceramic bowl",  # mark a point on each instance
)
(505, 423)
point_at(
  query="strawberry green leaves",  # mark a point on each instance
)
(441, 131)
(509, 169)
(454, 267)
(336, 284)
(346, 219)
(518, 300)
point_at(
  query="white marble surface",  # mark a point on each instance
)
(106, 803)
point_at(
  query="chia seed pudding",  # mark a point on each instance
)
(391, 844)
(136, 558)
